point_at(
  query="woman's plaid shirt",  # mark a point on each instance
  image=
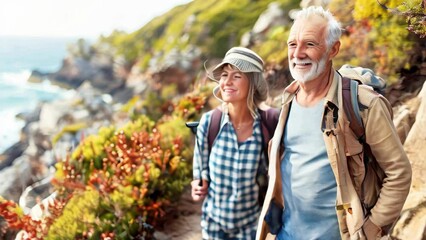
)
(231, 170)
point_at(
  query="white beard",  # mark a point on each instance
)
(316, 69)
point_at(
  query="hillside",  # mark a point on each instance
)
(120, 151)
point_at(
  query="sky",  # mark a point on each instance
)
(78, 18)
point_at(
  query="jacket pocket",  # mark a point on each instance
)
(356, 169)
(355, 159)
(352, 144)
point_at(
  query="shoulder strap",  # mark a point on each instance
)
(351, 107)
(214, 127)
(352, 110)
(269, 120)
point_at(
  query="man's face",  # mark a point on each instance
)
(307, 50)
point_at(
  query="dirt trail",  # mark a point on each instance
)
(184, 222)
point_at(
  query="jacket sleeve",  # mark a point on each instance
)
(387, 148)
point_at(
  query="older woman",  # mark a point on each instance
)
(228, 171)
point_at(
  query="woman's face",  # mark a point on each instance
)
(234, 85)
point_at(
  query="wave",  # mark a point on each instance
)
(18, 57)
(20, 80)
(9, 129)
(15, 78)
(19, 96)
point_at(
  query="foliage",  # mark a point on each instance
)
(190, 106)
(384, 43)
(176, 136)
(119, 183)
(155, 106)
(275, 46)
(73, 128)
(141, 123)
(213, 26)
(414, 13)
(123, 45)
(77, 216)
(131, 105)
(80, 49)
(34, 229)
(217, 26)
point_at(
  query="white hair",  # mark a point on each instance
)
(334, 29)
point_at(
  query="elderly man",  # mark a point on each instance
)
(318, 184)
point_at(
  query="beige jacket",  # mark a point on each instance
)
(386, 147)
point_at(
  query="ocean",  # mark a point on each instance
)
(18, 57)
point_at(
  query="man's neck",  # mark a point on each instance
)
(313, 91)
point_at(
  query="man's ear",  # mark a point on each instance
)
(334, 50)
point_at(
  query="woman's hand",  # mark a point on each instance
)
(198, 192)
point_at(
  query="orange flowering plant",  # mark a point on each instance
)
(118, 184)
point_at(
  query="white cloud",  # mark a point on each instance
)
(80, 18)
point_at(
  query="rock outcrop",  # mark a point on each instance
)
(412, 224)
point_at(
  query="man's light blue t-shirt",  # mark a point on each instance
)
(309, 185)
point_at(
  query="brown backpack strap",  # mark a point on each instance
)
(214, 126)
(351, 105)
(269, 121)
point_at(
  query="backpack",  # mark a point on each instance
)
(268, 120)
(351, 78)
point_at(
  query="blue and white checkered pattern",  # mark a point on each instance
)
(231, 170)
